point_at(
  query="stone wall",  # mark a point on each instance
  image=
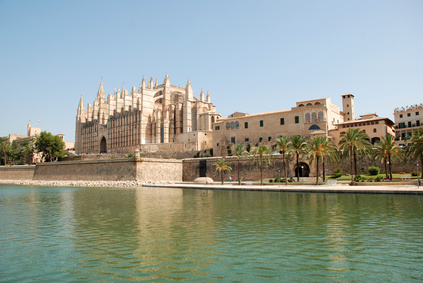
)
(17, 172)
(111, 170)
(251, 171)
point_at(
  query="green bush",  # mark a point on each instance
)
(357, 178)
(379, 179)
(370, 179)
(337, 170)
(374, 170)
(414, 173)
(271, 181)
(337, 175)
(291, 180)
(277, 180)
(129, 155)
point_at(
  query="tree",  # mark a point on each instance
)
(221, 167)
(318, 148)
(385, 150)
(296, 147)
(329, 150)
(51, 146)
(26, 151)
(4, 148)
(353, 142)
(415, 148)
(259, 154)
(240, 153)
(282, 145)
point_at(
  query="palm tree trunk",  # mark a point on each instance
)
(239, 181)
(352, 173)
(386, 168)
(284, 167)
(221, 176)
(261, 173)
(317, 169)
(421, 165)
(298, 169)
(390, 168)
(323, 167)
(355, 163)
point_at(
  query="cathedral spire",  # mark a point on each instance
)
(100, 92)
(167, 80)
(143, 81)
(157, 83)
(208, 96)
(81, 108)
(150, 84)
(188, 90)
(202, 95)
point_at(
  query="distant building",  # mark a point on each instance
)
(407, 120)
(153, 118)
(319, 117)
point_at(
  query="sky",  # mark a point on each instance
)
(253, 56)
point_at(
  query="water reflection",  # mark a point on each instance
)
(161, 234)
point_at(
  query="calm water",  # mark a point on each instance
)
(97, 234)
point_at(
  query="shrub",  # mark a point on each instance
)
(337, 170)
(277, 180)
(337, 175)
(374, 170)
(357, 178)
(283, 180)
(414, 173)
(379, 179)
(370, 179)
(129, 155)
(291, 179)
(271, 181)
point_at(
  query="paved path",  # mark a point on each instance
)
(377, 189)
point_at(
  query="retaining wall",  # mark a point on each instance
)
(17, 172)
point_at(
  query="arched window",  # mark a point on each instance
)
(309, 104)
(228, 125)
(314, 116)
(314, 127)
(236, 125)
(317, 103)
(321, 116)
(307, 117)
(232, 125)
(301, 105)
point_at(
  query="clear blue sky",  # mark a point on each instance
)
(253, 56)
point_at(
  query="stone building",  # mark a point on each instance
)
(308, 118)
(153, 118)
(407, 120)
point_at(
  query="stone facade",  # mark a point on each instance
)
(156, 117)
(319, 117)
(111, 170)
(407, 120)
(17, 172)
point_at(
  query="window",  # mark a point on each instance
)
(232, 139)
(236, 125)
(409, 124)
(314, 116)
(374, 130)
(228, 126)
(377, 122)
(260, 139)
(417, 113)
(400, 115)
(232, 125)
(217, 144)
(247, 139)
(261, 123)
(282, 121)
(320, 115)
(348, 105)
(246, 125)
(408, 114)
(269, 138)
(217, 128)
(418, 123)
(307, 117)
(314, 127)
(297, 119)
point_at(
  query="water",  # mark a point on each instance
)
(157, 234)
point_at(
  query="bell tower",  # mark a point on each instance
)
(348, 107)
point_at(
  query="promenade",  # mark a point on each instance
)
(377, 188)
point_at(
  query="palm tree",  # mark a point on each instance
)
(282, 145)
(222, 166)
(261, 153)
(296, 147)
(352, 142)
(329, 150)
(240, 153)
(4, 148)
(415, 148)
(318, 148)
(386, 149)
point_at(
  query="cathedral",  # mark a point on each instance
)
(154, 118)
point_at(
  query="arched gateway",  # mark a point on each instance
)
(303, 170)
(103, 145)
